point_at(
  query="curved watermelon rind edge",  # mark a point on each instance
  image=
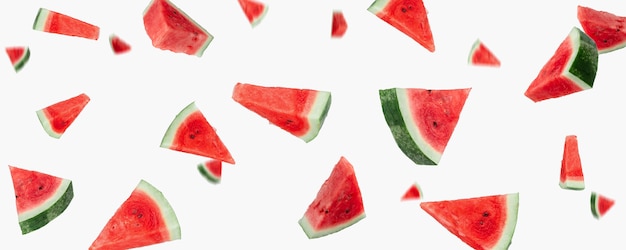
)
(170, 133)
(311, 233)
(254, 22)
(475, 47)
(41, 19)
(582, 44)
(512, 204)
(317, 115)
(23, 60)
(202, 168)
(595, 210)
(45, 123)
(43, 214)
(169, 216)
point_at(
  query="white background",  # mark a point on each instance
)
(503, 142)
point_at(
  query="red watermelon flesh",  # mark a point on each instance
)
(254, 10)
(55, 22)
(413, 193)
(481, 55)
(339, 24)
(57, 117)
(571, 167)
(190, 132)
(338, 203)
(408, 16)
(211, 170)
(19, 56)
(600, 205)
(118, 45)
(144, 218)
(486, 222)
(606, 29)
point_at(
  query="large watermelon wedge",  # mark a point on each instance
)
(254, 10)
(606, 29)
(190, 132)
(338, 203)
(486, 222)
(408, 16)
(144, 218)
(39, 197)
(600, 205)
(480, 55)
(57, 117)
(571, 69)
(19, 56)
(58, 23)
(422, 120)
(571, 168)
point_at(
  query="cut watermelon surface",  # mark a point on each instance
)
(118, 45)
(486, 222)
(480, 55)
(340, 26)
(605, 28)
(171, 29)
(408, 16)
(600, 205)
(39, 197)
(422, 120)
(254, 10)
(58, 23)
(571, 167)
(300, 112)
(338, 203)
(571, 69)
(413, 193)
(190, 132)
(57, 117)
(19, 56)
(211, 170)
(144, 218)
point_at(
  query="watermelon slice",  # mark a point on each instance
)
(58, 23)
(413, 193)
(19, 56)
(144, 218)
(118, 45)
(57, 117)
(571, 69)
(571, 168)
(606, 29)
(171, 29)
(408, 16)
(190, 132)
(300, 112)
(254, 10)
(338, 203)
(422, 120)
(39, 197)
(339, 24)
(600, 204)
(480, 55)
(486, 222)
(211, 170)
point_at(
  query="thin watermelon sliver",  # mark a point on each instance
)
(57, 117)
(600, 204)
(19, 56)
(414, 192)
(571, 168)
(211, 170)
(255, 11)
(481, 55)
(58, 23)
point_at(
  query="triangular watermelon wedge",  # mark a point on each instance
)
(480, 55)
(606, 29)
(254, 10)
(58, 23)
(118, 45)
(144, 218)
(339, 26)
(57, 117)
(414, 192)
(600, 205)
(19, 56)
(211, 170)
(190, 132)
(408, 16)
(486, 222)
(571, 168)
(39, 197)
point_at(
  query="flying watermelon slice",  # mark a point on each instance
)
(19, 56)
(606, 29)
(58, 23)
(413, 193)
(300, 112)
(486, 222)
(480, 55)
(254, 10)
(171, 29)
(338, 203)
(57, 117)
(339, 24)
(211, 170)
(39, 197)
(422, 120)
(144, 218)
(571, 69)
(118, 45)
(571, 168)
(190, 132)
(408, 16)
(600, 205)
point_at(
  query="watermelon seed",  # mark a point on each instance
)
(435, 124)
(326, 211)
(485, 214)
(347, 211)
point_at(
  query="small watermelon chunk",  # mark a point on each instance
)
(300, 112)
(486, 222)
(413, 193)
(118, 45)
(571, 168)
(58, 23)
(57, 117)
(144, 218)
(338, 203)
(254, 10)
(408, 16)
(571, 69)
(480, 55)
(19, 56)
(600, 205)
(339, 24)
(39, 197)
(190, 132)
(606, 29)
(422, 120)
(211, 170)
(171, 29)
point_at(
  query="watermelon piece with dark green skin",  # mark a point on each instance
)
(211, 170)
(144, 218)
(118, 45)
(340, 26)
(571, 168)
(480, 55)
(58, 23)
(408, 16)
(414, 192)
(486, 222)
(39, 197)
(57, 117)
(605, 28)
(171, 29)
(255, 11)
(338, 203)
(19, 56)
(571, 69)
(600, 205)
(422, 120)
(190, 132)
(300, 112)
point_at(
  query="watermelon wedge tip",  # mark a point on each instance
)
(19, 56)
(339, 26)
(118, 45)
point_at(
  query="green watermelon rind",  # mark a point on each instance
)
(595, 210)
(170, 134)
(45, 123)
(167, 212)
(572, 184)
(43, 214)
(260, 17)
(202, 168)
(41, 19)
(582, 65)
(377, 6)
(311, 233)
(19, 64)
(317, 115)
(475, 47)
(512, 205)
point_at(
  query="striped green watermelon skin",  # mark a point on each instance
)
(19, 56)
